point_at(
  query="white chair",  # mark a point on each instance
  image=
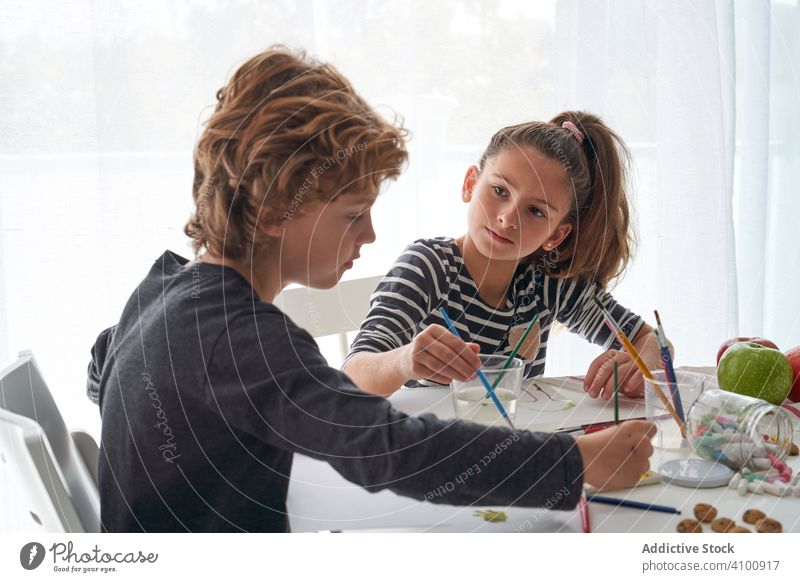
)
(32, 493)
(324, 312)
(24, 392)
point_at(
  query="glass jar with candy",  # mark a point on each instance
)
(740, 431)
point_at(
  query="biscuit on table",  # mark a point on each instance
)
(753, 515)
(722, 524)
(705, 512)
(768, 525)
(689, 526)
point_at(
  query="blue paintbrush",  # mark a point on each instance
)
(669, 370)
(629, 503)
(483, 379)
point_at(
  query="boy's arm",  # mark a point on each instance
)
(95, 369)
(290, 399)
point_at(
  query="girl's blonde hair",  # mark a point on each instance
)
(286, 130)
(602, 240)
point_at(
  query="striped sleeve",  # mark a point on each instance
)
(403, 299)
(575, 309)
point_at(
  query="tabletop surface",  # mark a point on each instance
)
(320, 499)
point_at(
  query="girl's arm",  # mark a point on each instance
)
(578, 311)
(378, 372)
(389, 350)
(434, 354)
(647, 346)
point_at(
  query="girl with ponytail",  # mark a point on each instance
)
(548, 229)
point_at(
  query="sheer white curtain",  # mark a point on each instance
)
(766, 196)
(662, 74)
(101, 102)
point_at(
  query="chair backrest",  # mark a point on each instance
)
(32, 493)
(324, 312)
(23, 391)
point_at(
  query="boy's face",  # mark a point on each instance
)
(517, 204)
(323, 239)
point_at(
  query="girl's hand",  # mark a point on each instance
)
(438, 355)
(599, 379)
(617, 456)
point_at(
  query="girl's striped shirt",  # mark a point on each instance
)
(431, 273)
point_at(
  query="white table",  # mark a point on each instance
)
(320, 499)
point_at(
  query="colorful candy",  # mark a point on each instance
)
(719, 438)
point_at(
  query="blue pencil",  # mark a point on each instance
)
(628, 503)
(669, 370)
(480, 374)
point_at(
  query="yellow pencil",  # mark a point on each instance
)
(637, 359)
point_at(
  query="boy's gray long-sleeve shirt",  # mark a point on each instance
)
(206, 392)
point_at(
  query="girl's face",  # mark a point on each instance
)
(517, 204)
(322, 240)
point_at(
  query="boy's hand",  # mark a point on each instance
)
(438, 355)
(616, 457)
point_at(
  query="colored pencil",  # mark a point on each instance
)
(594, 425)
(633, 504)
(587, 526)
(482, 377)
(616, 330)
(791, 409)
(669, 370)
(637, 359)
(616, 393)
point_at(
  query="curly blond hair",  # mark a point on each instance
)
(287, 130)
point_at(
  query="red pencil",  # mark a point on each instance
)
(592, 426)
(597, 428)
(587, 528)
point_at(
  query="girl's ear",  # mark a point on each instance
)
(470, 179)
(559, 234)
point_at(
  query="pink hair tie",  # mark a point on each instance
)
(572, 128)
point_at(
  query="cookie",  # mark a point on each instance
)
(705, 512)
(768, 525)
(722, 524)
(689, 526)
(793, 450)
(739, 529)
(753, 515)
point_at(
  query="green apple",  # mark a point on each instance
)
(755, 370)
